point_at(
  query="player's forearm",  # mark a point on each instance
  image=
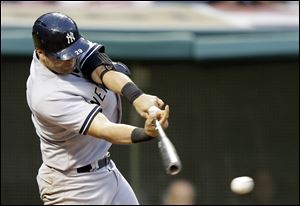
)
(122, 84)
(122, 134)
(118, 133)
(113, 80)
(102, 128)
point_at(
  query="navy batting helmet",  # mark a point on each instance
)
(58, 35)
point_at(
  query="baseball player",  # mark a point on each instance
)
(73, 92)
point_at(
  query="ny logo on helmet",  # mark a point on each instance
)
(70, 37)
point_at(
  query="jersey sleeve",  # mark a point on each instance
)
(68, 111)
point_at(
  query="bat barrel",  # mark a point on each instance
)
(173, 168)
(169, 156)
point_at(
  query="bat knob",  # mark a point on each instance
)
(153, 110)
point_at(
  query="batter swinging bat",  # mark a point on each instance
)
(167, 150)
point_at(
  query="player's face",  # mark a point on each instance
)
(59, 66)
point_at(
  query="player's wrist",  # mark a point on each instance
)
(139, 135)
(131, 92)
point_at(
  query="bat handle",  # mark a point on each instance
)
(160, 129)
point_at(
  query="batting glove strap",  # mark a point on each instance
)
(138, 135)
(130, 91)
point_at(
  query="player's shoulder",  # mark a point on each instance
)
(45, 90)
(41, 92)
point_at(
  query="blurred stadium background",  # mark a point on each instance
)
(229, 71)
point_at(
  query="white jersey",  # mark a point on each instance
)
(63, 107)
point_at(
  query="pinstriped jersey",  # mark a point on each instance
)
(63, 107)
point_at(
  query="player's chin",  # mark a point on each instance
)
(67, 70)
(68, 67)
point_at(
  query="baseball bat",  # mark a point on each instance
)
(167, 150)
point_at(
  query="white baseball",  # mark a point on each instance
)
(242, 185)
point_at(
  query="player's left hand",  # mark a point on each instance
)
(144, 102)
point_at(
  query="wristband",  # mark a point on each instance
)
(138, 135)
(131, 92)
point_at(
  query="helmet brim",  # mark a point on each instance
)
(77, 48)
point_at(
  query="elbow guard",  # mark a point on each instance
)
(116, 66)
(120, 67)
(99, 58)
(94, 60)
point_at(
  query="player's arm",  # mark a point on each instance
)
(115, 133)
(122, 84)
(99, 68)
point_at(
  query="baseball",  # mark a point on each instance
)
(242, 185)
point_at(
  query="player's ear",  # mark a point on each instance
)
(41, 53)
(38, 51)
